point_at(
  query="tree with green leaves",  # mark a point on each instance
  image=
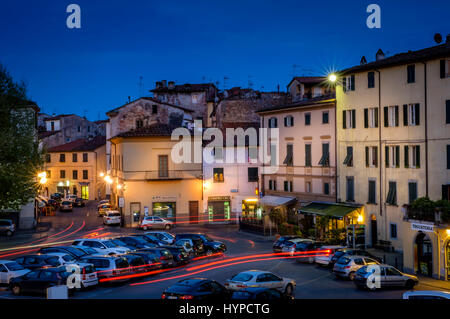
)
(20, 156)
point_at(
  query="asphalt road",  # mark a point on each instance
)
(312, 281)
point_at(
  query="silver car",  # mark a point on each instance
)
(347, 266)
(388, 277)
(260, 279)
(7, 227)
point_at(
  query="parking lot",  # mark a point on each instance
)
(245, 251)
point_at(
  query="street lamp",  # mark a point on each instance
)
(108, 179)
(42, 178)
(332, 78)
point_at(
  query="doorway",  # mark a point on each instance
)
(193, 212)
(373, 230)
(85, 192)
(447, 256)
(424, 255)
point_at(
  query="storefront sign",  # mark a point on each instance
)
(218, 198)
(164, 198)
(121, 202)
(234, 190)
(422, 227)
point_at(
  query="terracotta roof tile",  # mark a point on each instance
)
(80, 145)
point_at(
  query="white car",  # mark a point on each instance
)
(87, 273)
(260, 279)
(155, 222)
(71, 198)
(324, 260)
(163, 236)
(291, 245)
(63, 259)
(426, 294)
(102, 246)
(10, 269)
(112, 217)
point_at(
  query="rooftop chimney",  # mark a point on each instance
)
(164, 83)
(171, 84)
(380, 55)
(158, 85)
(363, 60)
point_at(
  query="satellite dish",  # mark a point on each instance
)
(438, 38)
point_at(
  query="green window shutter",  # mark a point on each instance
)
(406, 156)
(386, 155)
(442, 69)
(376, 117)
(344, 84)
(418, 156)
(366, 118)
(308, 155)
(396, 115)
(344, 119)
(376, 156)
(447, 112)
(367, 156)
(354, 118)
(386, 116)
(397, 156)
(405, 114)
(352, 84)
(417, 110)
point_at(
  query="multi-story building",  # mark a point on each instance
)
(137, 114)
(228, 185)
(65, 128)
(147, 181)
(307, 87)
(75, 168)
(200, 98)
(393, 137)
(307, 161)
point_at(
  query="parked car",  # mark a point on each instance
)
(151, 260)
(63, 258)
(197, 289)
(102, 202)
(79, 202)
(37, 261)
(351, 251)
(347, 265)
(152, 222)
(86, 250)
(71, 198)
(87, 274)
(102, 246)
(103, 209)
(66, 206)
(39, 280)
(260, 293)
(290, 246)
(261, 279)
(53, 203)
(7, 227)
(135, 242)
(180, 256)
(136, 262)
(76, 253)
(164, 255)
(150, 239)
(389, 277)
(307, 251)
(279, 243)
(324, 259)
(426, 294)
(57, 196)
(163, 236)
(109, 266)
(10, 269)
(112, 217)
(209, 246)
(188, 245)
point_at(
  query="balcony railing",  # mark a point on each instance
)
(163, 175)
(431, 215)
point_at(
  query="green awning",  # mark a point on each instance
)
(328, 209)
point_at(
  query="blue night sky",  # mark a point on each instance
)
(94, 69)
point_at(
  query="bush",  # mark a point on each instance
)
(444, 207)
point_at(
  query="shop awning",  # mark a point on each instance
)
(329, 209)
(275, 201)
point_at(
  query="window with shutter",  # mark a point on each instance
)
(352, 82)
(273, 155)
(447, 112)
(406, 156)
(372, 192)
(386, 156)
(411, 76)
(448, 156)
(307, 118)
(326, 188)
(350, 189)
(442, 74)
(392, 194)
(289, 155)
(308, 155)
(412, 191)
(405, 114)
(366, 118)
(371, 80)
(344, 119)
(367, 156)
(253, 174)
(386, 116)
(270, 184)
(344, 84)
(325, 159)
(349, 158)
(353, 118)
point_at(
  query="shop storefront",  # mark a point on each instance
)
(219, 208)
(165, 210)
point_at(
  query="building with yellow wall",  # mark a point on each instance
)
(393, 146)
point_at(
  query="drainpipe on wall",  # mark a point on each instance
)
(426, 127)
